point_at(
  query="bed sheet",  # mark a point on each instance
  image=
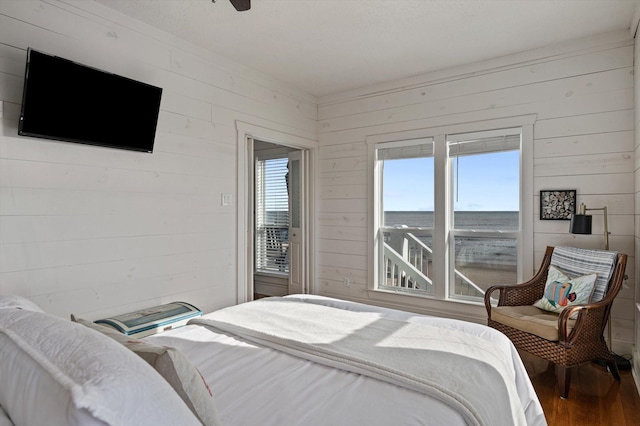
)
(258, 385)
(4, 418)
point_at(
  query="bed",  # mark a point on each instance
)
(311, 360)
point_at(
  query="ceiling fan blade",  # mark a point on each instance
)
(241, 5)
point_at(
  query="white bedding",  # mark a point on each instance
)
(4, 419)
(253, 384)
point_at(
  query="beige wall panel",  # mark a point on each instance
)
(584, 144)
(343, 219)
(355, 205)
(344, 191)
(546, 70)
(612, 183)
(345, 177)
(577, 95)
(348, 233)
(584, 164)
(355, 149)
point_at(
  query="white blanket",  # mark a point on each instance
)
(460, 369)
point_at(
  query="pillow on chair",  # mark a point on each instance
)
(577, 261)
(561, 291)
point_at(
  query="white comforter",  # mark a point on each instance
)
(254, 384)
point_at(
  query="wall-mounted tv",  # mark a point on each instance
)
(68, 101)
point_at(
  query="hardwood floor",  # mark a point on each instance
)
(595, 397)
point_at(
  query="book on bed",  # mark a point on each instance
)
(152, 320)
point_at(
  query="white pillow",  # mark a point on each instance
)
(18, 302)
(54, 371)
(174, 366)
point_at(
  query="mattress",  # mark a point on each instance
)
(254, 384)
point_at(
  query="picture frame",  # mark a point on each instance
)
(557, 204)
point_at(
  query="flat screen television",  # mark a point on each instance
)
(68, 101)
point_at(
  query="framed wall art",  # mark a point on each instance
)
(557, 204)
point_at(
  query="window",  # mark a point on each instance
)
(485, 177)
(449, 220)
(272, 216)
(406, 169)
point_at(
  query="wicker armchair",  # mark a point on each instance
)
(567, 341)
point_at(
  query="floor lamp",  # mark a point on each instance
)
(581, 224)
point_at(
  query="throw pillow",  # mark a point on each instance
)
(176, 369)
(561, 291)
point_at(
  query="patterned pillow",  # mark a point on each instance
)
(561, 291)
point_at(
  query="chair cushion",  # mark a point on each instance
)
(561, 291)
(529, 319)
(575, 262)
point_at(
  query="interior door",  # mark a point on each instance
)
(298, 217)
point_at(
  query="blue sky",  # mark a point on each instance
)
(486, 182)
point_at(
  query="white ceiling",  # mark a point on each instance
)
(329, 46)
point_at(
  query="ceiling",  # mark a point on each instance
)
(329, 46)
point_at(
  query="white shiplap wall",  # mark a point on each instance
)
(98, 231)
(583, 95)
(636, 340)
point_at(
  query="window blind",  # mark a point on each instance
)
(272, 215)
(484, 142)
(415, 148)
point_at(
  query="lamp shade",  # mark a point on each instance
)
(580, 224)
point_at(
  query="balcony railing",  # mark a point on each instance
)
(408, 265)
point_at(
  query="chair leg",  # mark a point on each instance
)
(613, 367)
(563, 378)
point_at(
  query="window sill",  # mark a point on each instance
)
(284, 275)
(465, 310)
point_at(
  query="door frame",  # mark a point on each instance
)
(246, 132)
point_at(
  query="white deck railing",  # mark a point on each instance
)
(403, 275)
(408, 265)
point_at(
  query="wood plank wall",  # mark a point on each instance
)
(99, 231)
(636, 333)
(583, 95)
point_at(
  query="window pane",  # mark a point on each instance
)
(407, 200)
(407, 192)
(486, 197)
(483, 262)
(488, 183)
(272, 216)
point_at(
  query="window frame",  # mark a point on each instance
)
(442, 199)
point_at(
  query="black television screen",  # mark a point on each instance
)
(67, 101)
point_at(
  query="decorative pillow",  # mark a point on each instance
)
(576, 261)
(18, 302)
(174, 366)
(561, 291)
(55, 372)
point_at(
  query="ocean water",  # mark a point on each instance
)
(498, 253)
(505, 221)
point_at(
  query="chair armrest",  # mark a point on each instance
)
(517, 295)
(589, 316)
(521, 294)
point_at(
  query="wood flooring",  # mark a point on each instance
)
(595, 397)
